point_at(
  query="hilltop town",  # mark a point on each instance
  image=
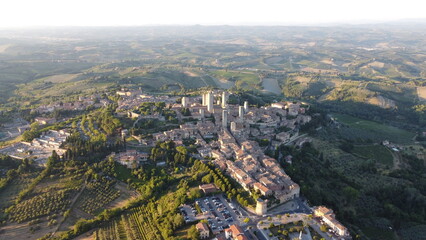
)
(229, 137)
(227, 132)
(233, 140)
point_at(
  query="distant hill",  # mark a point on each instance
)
(382, 65)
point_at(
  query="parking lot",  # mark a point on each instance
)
(190, 213)
(219, 213)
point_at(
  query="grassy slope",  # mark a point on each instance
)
(379, 234)
(385, 131)
(377, 152)
(12, 74)
(319, 183)
(242, 79)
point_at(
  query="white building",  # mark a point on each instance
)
(210, 99)
(241, 112)
(224, 99)
(246, 106)
(184, 102)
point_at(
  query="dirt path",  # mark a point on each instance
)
(71, 206)
(397, 160)
(125, 196)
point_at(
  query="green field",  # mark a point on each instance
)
(160, 77)
(381, 131)
(42, 88)
(100, 79)
(241, 79)
(123, 174)
(15, 73)
(378, 153)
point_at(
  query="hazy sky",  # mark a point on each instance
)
(154, 12)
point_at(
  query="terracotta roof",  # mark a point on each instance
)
(336, 223)
(324, 210)
(236, 230)
(242, 237)
(202, 227)
(261, 187)
(207, 188)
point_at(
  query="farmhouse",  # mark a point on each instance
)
(132, 158)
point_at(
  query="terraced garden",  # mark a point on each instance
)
(378, 153)
(40, 205)
(8, 194)
(97, 195)
(375, 130)
(135, 225)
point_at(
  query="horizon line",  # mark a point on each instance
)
(239, 24)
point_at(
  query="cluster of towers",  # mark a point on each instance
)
(208, 100)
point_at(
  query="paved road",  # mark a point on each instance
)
(262, 234)
(252, 236)
(297, 205)
(294, 139)
(316, 227)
